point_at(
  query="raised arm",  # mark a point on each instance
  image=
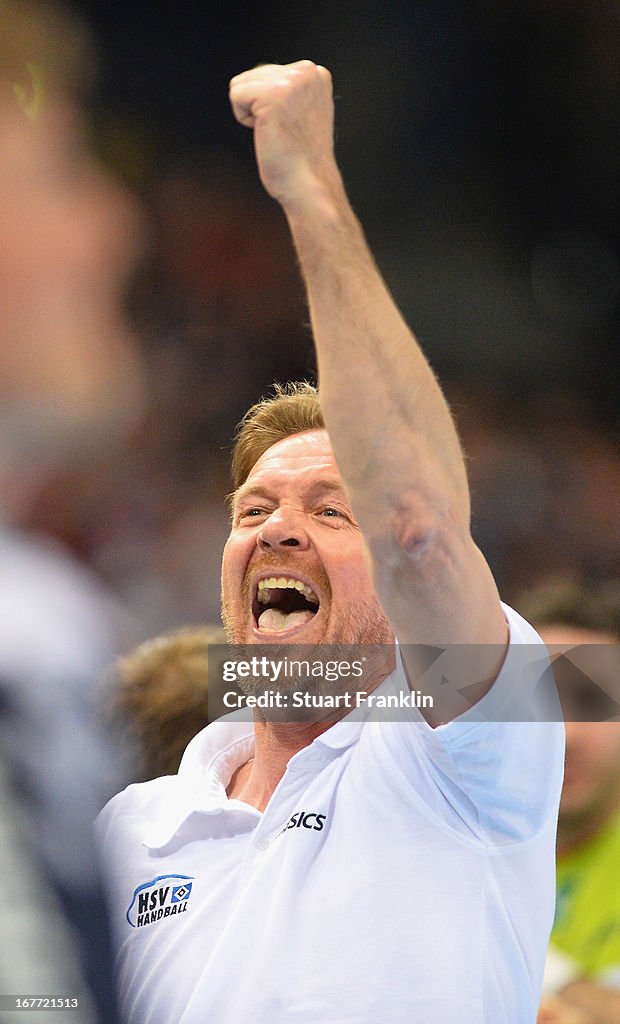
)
(389, 424)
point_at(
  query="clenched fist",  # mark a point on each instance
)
(290, 107)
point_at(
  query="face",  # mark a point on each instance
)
(592, 774)
(295, 568)
(70, 235)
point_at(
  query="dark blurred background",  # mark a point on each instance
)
(479, 145)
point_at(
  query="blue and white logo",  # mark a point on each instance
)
(161, 897)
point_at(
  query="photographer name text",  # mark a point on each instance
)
(303, 699)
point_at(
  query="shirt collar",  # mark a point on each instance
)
(200, 786)
(347, 731)
(210, 760)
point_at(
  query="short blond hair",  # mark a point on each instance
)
(291, 409)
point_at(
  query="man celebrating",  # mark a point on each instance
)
(348, 871)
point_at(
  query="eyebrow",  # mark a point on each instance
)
(249, 491)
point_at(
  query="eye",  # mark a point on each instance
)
(331, 512)
(254, 512)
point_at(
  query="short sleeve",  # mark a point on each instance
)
(495, 772)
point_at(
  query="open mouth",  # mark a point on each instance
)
(282, 603)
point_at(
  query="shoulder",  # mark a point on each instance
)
(147, 808)
(140, 803)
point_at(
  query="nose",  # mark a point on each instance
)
(283, 529)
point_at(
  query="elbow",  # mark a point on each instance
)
(414, 537)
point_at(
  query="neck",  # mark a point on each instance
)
(277, 742)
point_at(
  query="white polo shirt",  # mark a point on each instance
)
(398, 874)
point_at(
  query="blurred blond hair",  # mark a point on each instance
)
(161, 693)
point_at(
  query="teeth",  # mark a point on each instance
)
(284, 583)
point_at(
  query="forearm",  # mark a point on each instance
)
(389, 423)
(395, 442)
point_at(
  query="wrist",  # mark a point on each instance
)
(325, 231)
(316, 199)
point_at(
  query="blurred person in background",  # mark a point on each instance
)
(70, 385)
(583, 963)
(160, 692)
